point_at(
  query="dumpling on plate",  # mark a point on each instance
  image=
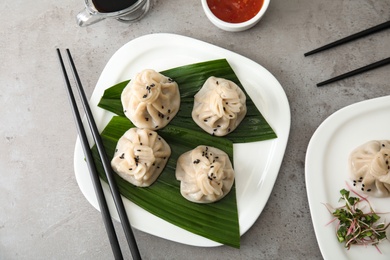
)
(151, 100)
(370, 167)
(140, 156)
(206, 174)
(219, 106)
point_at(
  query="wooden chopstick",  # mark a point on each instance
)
(356, 71)
(106, 165)
(352, 37)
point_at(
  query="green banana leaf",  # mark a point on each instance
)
(190, 79)
(217, 221)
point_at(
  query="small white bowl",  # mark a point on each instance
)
(234, 27)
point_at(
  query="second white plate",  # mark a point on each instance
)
(327, 171)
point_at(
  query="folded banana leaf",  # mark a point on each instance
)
(216, 221)
(190, 79)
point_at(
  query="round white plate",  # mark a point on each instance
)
(256, 164)
(327, 171)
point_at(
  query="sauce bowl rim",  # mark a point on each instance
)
(220, 23)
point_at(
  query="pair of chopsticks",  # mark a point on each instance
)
(92, 167)
(352, 37)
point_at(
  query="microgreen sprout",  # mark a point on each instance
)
(356, 227)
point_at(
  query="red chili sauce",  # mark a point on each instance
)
(235, 11)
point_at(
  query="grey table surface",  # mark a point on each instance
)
(43, 213)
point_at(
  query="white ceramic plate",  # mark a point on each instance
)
(257, 164)
(327, 171)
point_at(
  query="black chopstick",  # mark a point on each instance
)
(92, 169)
(356, 71)
(355, 36)
(106, 165)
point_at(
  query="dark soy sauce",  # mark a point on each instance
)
(108, 6)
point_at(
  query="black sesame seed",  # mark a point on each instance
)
(167, 117)
(369, 190)
(169, 111)
(145, 96)
(162, 107)
(122, 156)
(147, 119)
(362, 189)
(130, 169)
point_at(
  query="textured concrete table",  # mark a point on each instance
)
(43, 213)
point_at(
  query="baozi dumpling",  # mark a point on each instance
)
(370, 167)
(151, 100)
(140, 156)
(206, 174)
(219, 106)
